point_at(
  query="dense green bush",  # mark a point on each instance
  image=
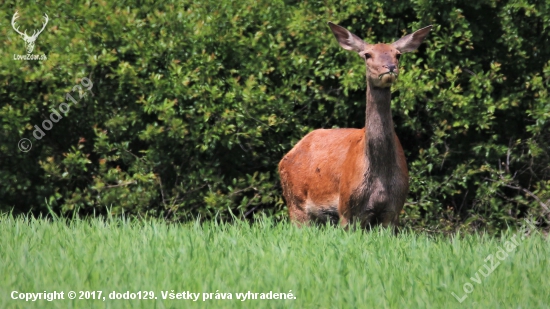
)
(194, 103)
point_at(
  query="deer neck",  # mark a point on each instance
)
(379, 131)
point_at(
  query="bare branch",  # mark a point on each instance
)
(508, 153)
(531, 194)
(162, 192)
(123, 184)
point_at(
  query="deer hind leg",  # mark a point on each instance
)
(390, 218)
(368, 220)
(371, 218)
(297, 214)
(344, 214)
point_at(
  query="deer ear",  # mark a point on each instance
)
(411, 41)
(346, 39)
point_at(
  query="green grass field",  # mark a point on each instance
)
(323, 267)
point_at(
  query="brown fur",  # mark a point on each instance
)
(351, 175)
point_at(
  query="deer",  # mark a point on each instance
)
(354, 176)
(29, 40)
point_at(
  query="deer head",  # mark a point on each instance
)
(29, 40)
(382, 60)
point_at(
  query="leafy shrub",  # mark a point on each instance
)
(193, 105)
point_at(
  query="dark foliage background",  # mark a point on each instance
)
(193, 105)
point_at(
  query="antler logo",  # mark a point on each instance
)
(29, 40)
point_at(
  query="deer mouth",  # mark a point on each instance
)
(390, 73)
(388, 77)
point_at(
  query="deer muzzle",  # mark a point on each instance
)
(391, 73)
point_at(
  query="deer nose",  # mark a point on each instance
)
(390, 67)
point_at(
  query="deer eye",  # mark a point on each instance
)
(398, 56)
(365, 54)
